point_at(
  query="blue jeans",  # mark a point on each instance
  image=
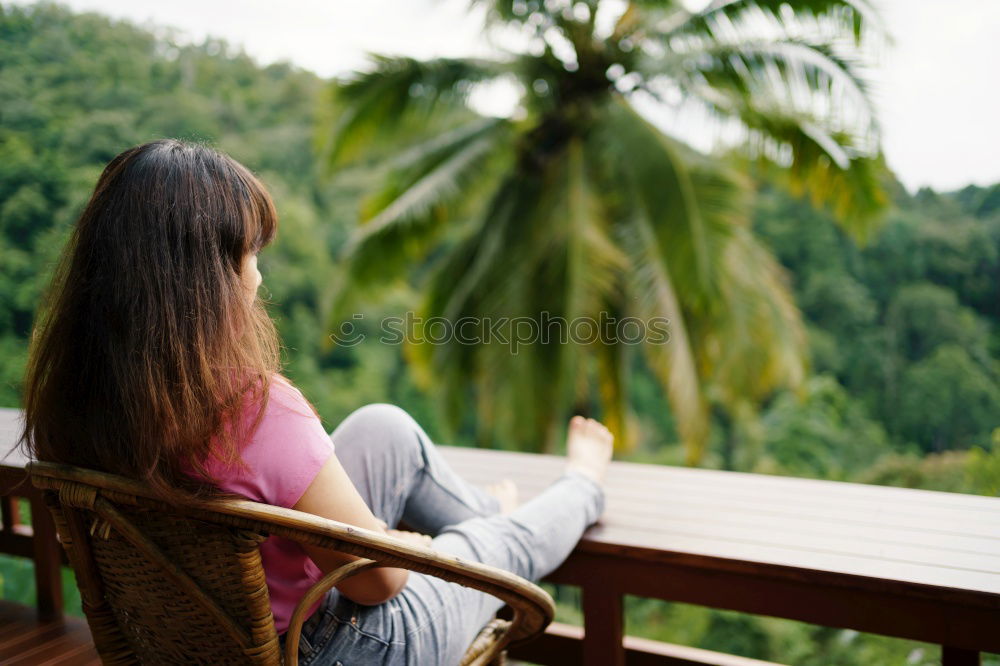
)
(401, 475)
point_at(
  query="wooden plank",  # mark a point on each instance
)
(10, 514)
(980, 584)
(72, 642)
(48, 554)
(603, 625)
(562, 644)
(807, 599)
(38, 541)
(951, 656)
(21, 545)
(690, 516)
(735, 483)
(760, 494)
(67, 655)
(27, 642)
(24, 639)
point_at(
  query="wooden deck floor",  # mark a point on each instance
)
(24, 641)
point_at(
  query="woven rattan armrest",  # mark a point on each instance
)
(532, 607)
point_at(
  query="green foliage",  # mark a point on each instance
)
(75, 90)
(823, 434)
(770, 639)
(905, 323)
(17, 583)
(947, 400)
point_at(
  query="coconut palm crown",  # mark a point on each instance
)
(577, 208)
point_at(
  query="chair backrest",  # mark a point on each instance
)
(161, 584)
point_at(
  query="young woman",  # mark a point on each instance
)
(154, 359)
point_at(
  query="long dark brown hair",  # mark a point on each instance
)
(148, 344)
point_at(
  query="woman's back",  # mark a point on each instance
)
(277, 463)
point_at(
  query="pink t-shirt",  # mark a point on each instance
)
(283, 456)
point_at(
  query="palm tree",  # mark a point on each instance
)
(576, 205)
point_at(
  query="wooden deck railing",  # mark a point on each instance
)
(37, 541)
(905, 563)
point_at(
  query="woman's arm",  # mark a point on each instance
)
(332, 495)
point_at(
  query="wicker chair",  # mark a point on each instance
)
(184, 585)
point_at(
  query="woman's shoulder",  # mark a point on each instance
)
(270, 418)
(285, 450)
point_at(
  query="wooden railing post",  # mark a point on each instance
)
(603, 626)
(952, 656)
(48, 561)
(9, 513)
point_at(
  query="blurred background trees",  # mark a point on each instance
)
(901, 378)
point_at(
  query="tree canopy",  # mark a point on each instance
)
(578, 207)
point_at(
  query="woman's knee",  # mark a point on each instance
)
(379, 425)
(382, 413)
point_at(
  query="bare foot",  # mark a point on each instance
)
(506, 492)
(588, 447)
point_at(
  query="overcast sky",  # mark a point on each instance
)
(937, 89)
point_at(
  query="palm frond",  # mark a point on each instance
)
(755, 344)
(817, 157)
(612, 383)
(415, 203)
(720, 18)
(372, 104)
(433, 178)
(673, 248)
(806, 75)
(671, 360)
(588, 263)
(541, 257)
(822, 164)
(656, 167)
(464, 288)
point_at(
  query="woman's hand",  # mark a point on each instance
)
(415, 538)
(410, 537)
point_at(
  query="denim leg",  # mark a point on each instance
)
(433, 622)
(443, 618)
(400, 473)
